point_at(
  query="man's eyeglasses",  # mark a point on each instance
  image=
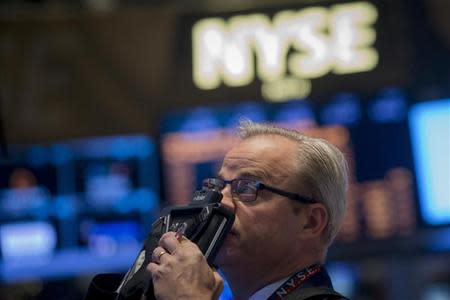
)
(246, 190)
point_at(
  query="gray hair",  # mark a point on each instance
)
(321, 171)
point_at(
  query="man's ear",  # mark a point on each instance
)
(316, 220)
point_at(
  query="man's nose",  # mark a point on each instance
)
(227, 199)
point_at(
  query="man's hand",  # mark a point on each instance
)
(180, 271)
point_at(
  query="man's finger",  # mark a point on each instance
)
(152, 268)
(219, 284)
(158, 254)
(169, 241)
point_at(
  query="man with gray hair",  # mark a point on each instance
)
(288, 193)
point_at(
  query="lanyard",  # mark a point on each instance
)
(298, 279)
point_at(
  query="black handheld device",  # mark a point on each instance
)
(206, 223)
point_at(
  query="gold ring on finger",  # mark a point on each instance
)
(161, 254)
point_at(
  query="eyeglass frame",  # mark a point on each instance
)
(258, 186)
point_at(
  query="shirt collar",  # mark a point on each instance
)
(266, 291)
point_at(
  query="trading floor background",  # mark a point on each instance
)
(111, 110)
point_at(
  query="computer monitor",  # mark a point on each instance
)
(75, 207)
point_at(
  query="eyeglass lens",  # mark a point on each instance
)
(242, 189)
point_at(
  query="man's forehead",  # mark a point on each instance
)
(233, 162)
(240, 167)
(265, 153)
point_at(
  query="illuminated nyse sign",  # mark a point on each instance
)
(292, 48)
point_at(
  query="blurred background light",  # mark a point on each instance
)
(389, 106)
(430, 133)
(343, 109)
(27, 242)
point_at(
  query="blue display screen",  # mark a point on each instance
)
(430, 135)
(76, 206)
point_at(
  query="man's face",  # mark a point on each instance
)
(265, 230)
